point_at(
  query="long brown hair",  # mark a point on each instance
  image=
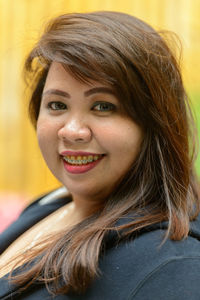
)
(123, 51)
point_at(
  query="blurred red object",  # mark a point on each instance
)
(11, 205)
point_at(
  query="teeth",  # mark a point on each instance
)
(90, 158)
(81, 160)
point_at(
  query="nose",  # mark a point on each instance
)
(75, 131)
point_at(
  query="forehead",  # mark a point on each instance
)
(60, 77)
(62, 83)
(57, 74)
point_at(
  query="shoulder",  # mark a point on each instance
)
(144, 266)
(52, 199)
(176, 278)
(33, 213)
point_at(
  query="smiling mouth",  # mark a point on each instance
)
(82, 160)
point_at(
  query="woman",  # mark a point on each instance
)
(113, 125)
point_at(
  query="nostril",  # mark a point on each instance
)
(75, 135)
(79, 139)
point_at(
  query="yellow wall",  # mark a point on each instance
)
(21, 166)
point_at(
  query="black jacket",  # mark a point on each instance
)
(139, 269)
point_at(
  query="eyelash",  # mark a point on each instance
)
(50, 105)
(61, 106)
(111, 106)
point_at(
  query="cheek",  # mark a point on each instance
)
(133, 137)
(46, 132)
(121, 137)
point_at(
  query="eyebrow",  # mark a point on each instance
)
(105, 90)
(96, 90)
(56, 92)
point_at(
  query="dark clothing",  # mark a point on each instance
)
(139, 269)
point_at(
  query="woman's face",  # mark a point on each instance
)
(86, 140)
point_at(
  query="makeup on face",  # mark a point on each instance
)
(80, 162)
(85, 138)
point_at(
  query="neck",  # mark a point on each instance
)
(84, 207)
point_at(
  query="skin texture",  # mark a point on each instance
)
(78, 122)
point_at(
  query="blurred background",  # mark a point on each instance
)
(23, 174)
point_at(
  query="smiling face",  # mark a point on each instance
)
(86, 139)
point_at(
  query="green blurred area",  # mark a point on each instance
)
(195, 99)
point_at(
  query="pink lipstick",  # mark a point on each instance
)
(77, 162)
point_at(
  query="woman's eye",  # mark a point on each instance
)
(104, 106)
(56, 105)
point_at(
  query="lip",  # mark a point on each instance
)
(78, 153)
(79, 169)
